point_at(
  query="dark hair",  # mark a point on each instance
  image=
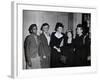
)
(31, 27)
(80, 26)
(44, 24)
(69, 31)
(58, 24)
(86, 30)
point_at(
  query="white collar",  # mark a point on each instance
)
(47, 37)
(58, 35)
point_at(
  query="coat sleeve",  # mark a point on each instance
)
(27, 48)
(52, 41)
(41, 47)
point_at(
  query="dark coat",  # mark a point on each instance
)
(68, 52)
(44, 50)
(87, 49)
(55, 55)
(80, 55)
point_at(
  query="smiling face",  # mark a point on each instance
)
(46, 28)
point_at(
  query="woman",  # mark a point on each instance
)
(79, 46)
(44, 49)
(56, 44)
(31, 48)
(68, 56)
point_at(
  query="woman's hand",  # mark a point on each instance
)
(30, 64)
(58, 49)
(89, 58)
(44, 57)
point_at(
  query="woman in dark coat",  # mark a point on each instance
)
(56, 44)
(68, 55)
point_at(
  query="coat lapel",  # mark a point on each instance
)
(45, 39)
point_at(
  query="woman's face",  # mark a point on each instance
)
(34, 30)
(46, 28)
(59, 29)
(69, 34)
(79, 31)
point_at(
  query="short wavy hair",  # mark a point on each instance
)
(58, 24)
(44, 24)
(80, 26)
(31, 27)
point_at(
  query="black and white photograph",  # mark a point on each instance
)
(54, 39)
(50, 40)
